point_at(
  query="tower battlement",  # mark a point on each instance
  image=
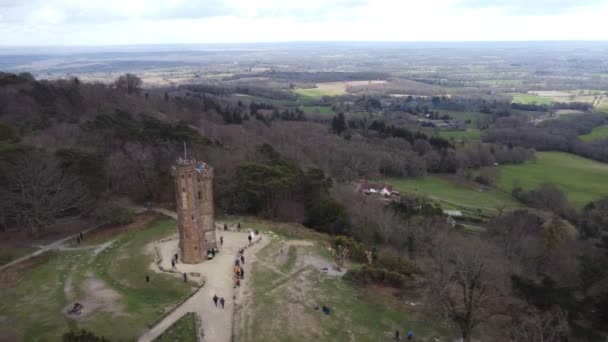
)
(194, 194)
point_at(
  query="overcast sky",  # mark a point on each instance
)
(111, 22)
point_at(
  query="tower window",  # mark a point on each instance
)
(199, 195)
(183, 189)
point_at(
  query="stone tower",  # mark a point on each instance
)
(194, 194)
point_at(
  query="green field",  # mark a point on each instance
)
(288, 285)
(462, 116)
(603, 106)
(318, 109)
(453, 195)
(184, 330)
(600, 132)
(529, 99)
(35, 298)
(468, 135)
(583, 180)
(322, 89)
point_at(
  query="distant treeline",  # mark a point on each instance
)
(554, 106)
(553, 135)
(317, 77)
(265, 92)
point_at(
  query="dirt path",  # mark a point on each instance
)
(58, 244)
(216, 322)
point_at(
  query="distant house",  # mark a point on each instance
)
(385, 190)
(455, 213)
(450, 125)
(451, 214)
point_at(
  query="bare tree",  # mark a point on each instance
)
(38, 192)
(533, 325)
(340, 254)
(129, 83)
(464, 282)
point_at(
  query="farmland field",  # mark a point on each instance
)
(583, 180)
(600, 132)
(318, 109)
(451, 194)
(528, 99)
(330, 89)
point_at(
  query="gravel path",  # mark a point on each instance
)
(216, 322)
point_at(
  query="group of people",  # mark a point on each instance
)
(217, 299)
(410, 335)
(239, 271)
(238, 227)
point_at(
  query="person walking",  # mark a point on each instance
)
(81, 236)
(176, 258)
(410, 335)
(222, 301)
(215, 298)
(185, 277)
(221, 240)
(397, 335)
(242, 273)
(249, 238)
(238, 226)
(242, 259)
(225, 227)
(147, 278)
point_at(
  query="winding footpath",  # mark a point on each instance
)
(216, 322)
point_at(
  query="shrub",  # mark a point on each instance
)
(370, 275)
(113, 214)
(82, 336)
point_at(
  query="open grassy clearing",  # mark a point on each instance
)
(583, 180)
(357, 314)
(109, 282)
(184, 330)
(600, 132)
(318, 109)
(452, 195)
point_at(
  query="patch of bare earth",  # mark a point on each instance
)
(97, 297)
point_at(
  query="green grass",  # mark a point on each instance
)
(322, 89)
(292, 256)
(452, 195)
(35, 305)
(462, 116)
(468, 135)
(8, 254)
(583, 180)
(318, 109)
(183, 330)
(600, 132)
(528, 99)
(357, 314)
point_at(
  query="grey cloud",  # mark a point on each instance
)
(530, 7)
